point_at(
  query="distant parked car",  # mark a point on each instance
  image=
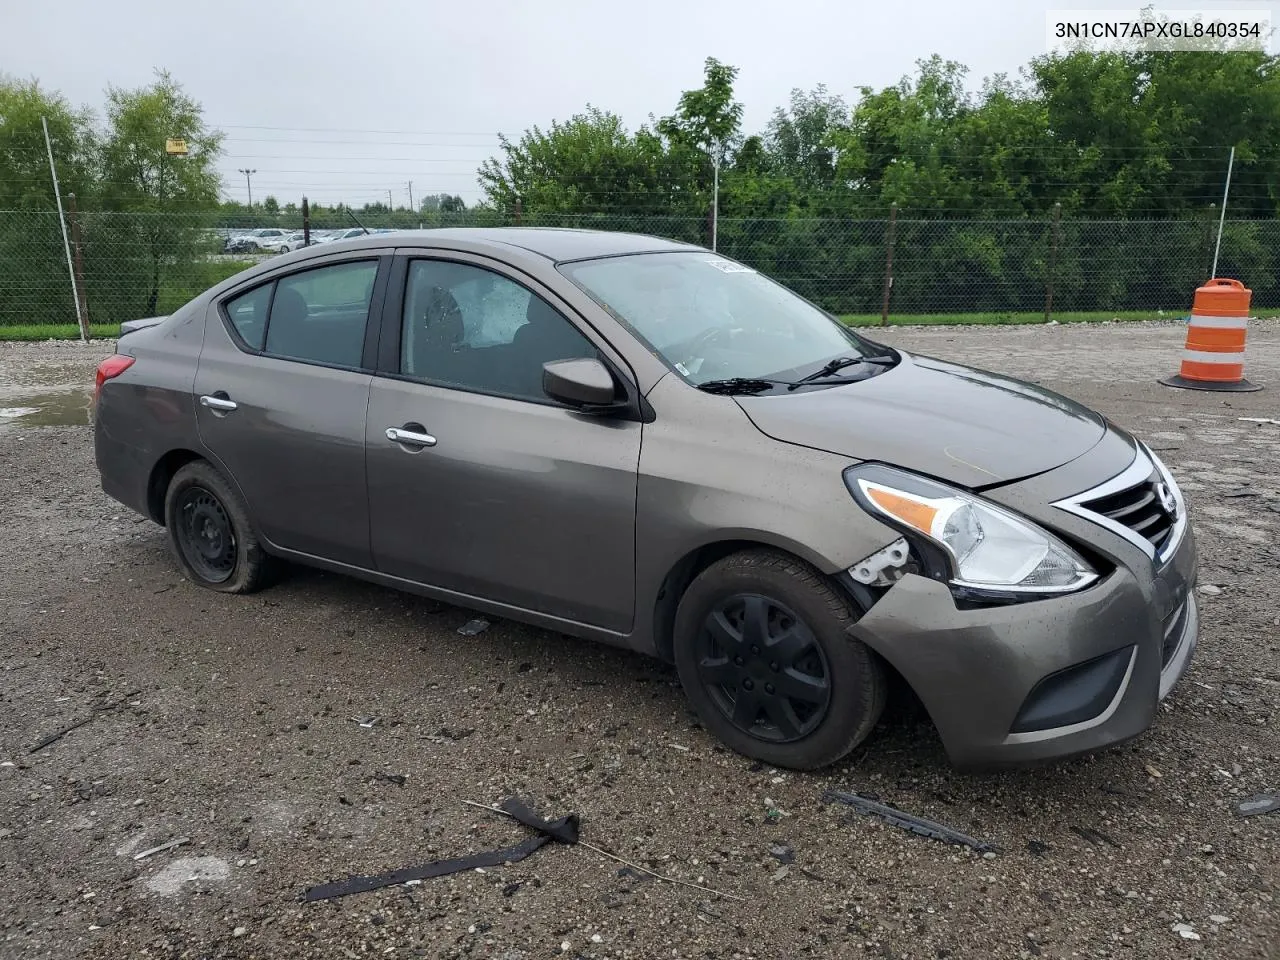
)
(256, 240)
(288, 243)
(343, 235)
(644, 443)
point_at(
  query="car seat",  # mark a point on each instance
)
(287, 325)
(437, 335)
(545, 336)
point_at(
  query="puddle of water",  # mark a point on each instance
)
(65, 408)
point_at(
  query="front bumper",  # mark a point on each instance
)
(994, 679)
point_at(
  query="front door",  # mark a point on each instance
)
(281, 398)
(486, 486)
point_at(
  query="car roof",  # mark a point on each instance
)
(555, 243)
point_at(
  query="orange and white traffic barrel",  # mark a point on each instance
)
(1213, 355)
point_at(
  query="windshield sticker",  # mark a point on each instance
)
(728, 266)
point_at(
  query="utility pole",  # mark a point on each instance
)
(715, 197)
(66, 243)
(248, 183)
(390, 204)
(1222, 214)
(411, 206)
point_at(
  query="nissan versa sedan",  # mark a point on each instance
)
(644, 443)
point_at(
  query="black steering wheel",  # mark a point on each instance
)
(705, 339)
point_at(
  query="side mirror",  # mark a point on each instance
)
(583, 383)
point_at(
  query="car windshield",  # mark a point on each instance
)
(713, 319)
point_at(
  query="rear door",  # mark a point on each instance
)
(498, 491)
(281, 391)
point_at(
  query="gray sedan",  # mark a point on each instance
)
(647, 444)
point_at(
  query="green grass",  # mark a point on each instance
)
(1013, 317)
(175, 291)
(59, 331)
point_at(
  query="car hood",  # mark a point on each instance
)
(956, 423)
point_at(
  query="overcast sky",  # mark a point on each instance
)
(346, 100)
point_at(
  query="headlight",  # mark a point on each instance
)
(989, 548)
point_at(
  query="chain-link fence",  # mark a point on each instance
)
(136, 265)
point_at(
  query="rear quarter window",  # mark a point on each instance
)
(248, 314)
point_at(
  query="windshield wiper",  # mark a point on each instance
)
(740, 385)
(832, 367)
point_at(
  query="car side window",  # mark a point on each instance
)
(248, 313)
(320, 315)
(472, 328)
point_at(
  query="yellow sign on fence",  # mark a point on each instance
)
(176, 147)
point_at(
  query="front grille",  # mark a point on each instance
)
(1139, 509)
(1173, 634)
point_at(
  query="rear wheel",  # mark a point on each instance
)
(210, 533)
(762, 653)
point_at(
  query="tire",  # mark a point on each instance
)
(211, 535)
(838, 683)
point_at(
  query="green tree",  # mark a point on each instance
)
(1150, 129)
(271, 206)
(588, 164)
(141, 178)
(36, 287)
(800, 139)
(900, 145)
(441, 203)
(25, 182)
(708, 119)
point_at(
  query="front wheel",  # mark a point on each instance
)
(210, 533)
(762, 652)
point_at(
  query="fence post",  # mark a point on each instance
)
(715, 201)
(1222, 214)
(1052, 273)
(82, 305)
(306, 223)
(66, 243)
(890, 237)
(1211, 215)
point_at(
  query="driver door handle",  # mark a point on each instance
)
(220, 403)
(410, 438)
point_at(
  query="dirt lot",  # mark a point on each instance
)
(237, 732)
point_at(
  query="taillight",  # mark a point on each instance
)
(109, 369)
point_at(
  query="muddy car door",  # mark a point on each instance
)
(281, 392)
(479, 482)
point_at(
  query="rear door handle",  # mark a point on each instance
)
(410, 438)
(220, 403)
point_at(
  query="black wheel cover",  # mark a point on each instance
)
(205, 534)
(763, 668)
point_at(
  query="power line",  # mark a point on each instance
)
(363, 143)
(405, 133)
(298, 156)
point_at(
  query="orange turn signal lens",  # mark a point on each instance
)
(907, 509)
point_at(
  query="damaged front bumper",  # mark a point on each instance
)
(1029, 682)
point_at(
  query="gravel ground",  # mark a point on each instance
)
(237, 732)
